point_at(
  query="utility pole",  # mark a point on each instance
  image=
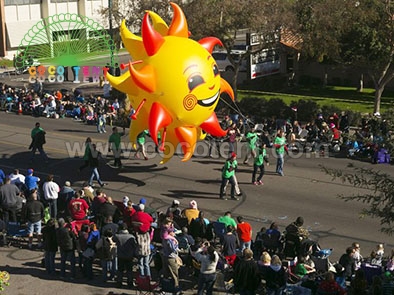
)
(111, 33)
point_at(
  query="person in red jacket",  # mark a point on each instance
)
(244, 231)
(78, 207)
(141, 220)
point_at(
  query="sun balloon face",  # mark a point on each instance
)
(173, 83)
(194, 88)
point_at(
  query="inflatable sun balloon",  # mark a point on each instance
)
(172, 82)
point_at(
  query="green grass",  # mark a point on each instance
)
(345, 98)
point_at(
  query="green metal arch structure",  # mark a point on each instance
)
(66, 40)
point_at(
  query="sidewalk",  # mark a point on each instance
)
(28, 276)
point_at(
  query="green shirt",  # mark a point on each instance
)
(115, 140)
(281, 141)
(227, 220)
(259, 160)
(35, 130)
(226, 173)
(252, 138)
(141, 137)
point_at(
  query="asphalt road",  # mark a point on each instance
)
(304, 191)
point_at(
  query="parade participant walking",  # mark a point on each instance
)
(280, 147)
(141, 145)
(252, 138)
(88, 146)
(228, 172)
(38, 140)
(114, 145)
(259, 165)
(94, 157)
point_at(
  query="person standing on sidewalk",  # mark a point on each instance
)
(51, 193)
(34, 213)
(280, 148)
(244, 231)
(114, 145)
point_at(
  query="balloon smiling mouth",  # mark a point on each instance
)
(209, 101)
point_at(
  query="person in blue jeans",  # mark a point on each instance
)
(208, 258)
(65, 240)
(94, 158)
(280, 148)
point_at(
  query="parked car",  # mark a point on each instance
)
(224, 63)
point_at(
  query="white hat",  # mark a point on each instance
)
(125, 200)
(193, 204)
(141, 206)
(176, 202)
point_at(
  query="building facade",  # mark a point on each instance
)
(17, 17)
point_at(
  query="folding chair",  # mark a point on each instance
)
(144, 286)
(168, 286)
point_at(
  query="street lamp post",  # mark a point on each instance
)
(111, 33)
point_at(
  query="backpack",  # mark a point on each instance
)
(183, 243)
(107, 251)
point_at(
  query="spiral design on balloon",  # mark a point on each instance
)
(189, 102)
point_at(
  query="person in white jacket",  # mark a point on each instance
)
(51, 190)
(208, 257)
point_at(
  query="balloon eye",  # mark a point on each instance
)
(195, 81)
(215, 70)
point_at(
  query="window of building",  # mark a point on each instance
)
(21, 2)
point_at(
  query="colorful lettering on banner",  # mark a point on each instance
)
(56, 73)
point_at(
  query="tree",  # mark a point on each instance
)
(132, 11)
(350, 32)
(225, 19)
(379, 199)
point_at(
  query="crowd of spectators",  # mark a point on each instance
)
(99, 237)
(93, 109)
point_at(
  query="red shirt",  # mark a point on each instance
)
(78, 208)
(127, 214)
(144, 218)
(244, 229)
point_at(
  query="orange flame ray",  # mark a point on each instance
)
(212, 126)
(152, 39)
(187, 137)
(145, 77)
(209, 43)
(159, 118)
(178, 25)
(158, 23)
(226, 88)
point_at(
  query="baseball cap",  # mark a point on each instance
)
(193, 204)
(142, 201)
(176, 202)
(141, 206)
(30, 171)
(233, 155)
(332, 125)
(125, 200)
(67, 183)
